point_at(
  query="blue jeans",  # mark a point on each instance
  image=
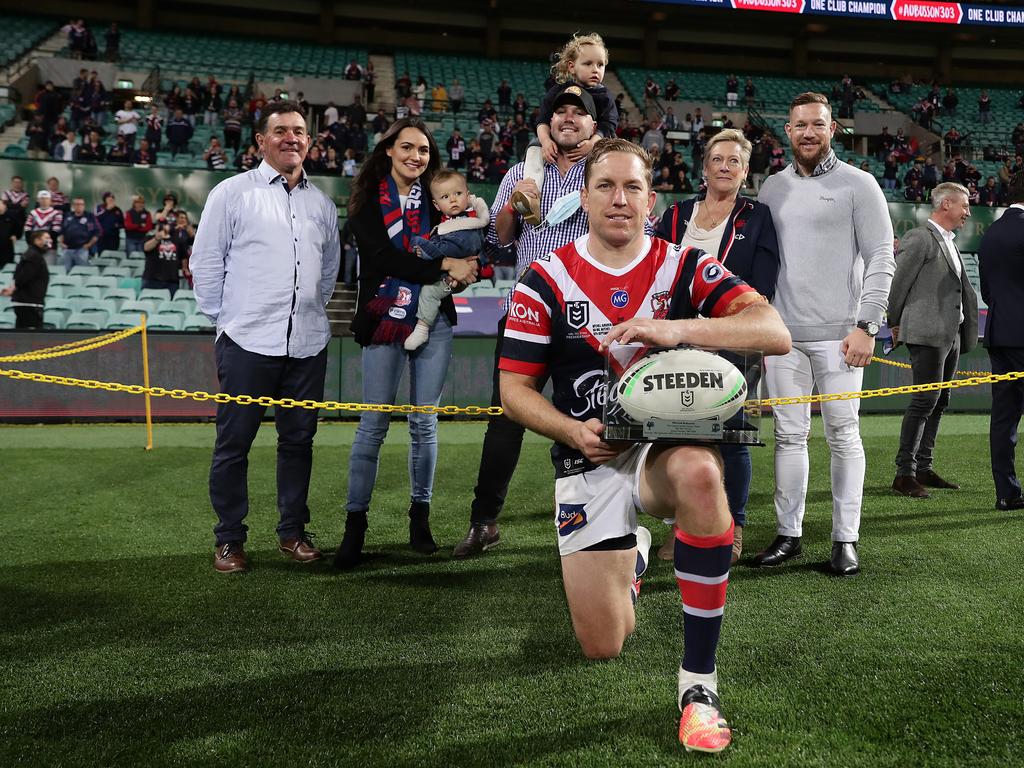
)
(133, 244)
(75, 256)
(383, 365)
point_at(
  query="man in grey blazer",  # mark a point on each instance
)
(934, 311)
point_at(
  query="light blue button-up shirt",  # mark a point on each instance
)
(265, 262)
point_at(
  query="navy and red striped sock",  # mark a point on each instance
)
(702, 572)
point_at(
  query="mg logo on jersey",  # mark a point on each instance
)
(619, 299)
(577, 313)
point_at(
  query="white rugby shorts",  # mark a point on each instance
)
(601, 504)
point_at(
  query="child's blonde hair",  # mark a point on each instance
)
(571, 51)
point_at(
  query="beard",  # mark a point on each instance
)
(820, 154)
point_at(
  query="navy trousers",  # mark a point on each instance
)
(1007, 405)
(246, 373)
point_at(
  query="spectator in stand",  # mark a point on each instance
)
(521, 135)
(67, 150)
(349, 166)
(653, 138)
(353, 71)
(58, 198)
(419, 91)
(331, 114)
(111, 220)
(79, 233)
(90, 126)
(949, 102)
(930, 175)
(212, 103)
(98, 99)
(890, 172)
(901, 146)
(356, 114)
(190, 106)
(144, 155)
(46, 216)
(972, 175)
(953, 140)
(163, 260)
(38, 138)
(477, 169)
(486, 113)
(651, 92)
(916, 171)
(215, 157)
(913, 193)
(169, 212)
(663, 181)
(17, 199)
(112, 38)
(314, 162)
(233, 116)
(49, 104)
(75, 31)
(497, 167)
(369, 83)
(504, 97)
(10, 232)
(179, 133)
(671, 90)
(749, 92)
(154, 128)
(456, 95)
(128, 120)
(120, 153)
(439, 98)
(403, 86)
(81, 109)
(984, 107)
(380, 124)
(520, 107)
(248, 160)
(487, 141)
(732, 91)
(990, 196)
(138, 223)
(456, 147)
(31, 279)
(973, 195)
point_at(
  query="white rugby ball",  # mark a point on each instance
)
(681, 385)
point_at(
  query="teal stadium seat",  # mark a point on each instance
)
(93, 321)
(139, 305)
(197, 322)
(165, 321)
(155, 294)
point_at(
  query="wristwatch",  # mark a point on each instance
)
(869, 327)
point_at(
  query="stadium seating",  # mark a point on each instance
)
(20, 33)
(165, 321)
(139, 305)
(84, 321)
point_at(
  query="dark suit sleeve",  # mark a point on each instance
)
(378, 258)
(766, 257)
(914, 250)
(664, 228)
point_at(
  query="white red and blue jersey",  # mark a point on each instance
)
(567, 302)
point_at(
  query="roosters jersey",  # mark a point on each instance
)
(567, 302)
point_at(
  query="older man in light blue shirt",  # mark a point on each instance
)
(264, 265)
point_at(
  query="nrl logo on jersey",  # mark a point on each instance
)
(577, 314)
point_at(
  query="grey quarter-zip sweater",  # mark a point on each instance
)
(835, 247)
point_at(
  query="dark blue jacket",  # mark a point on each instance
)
(179, 131)
(1001, 264)
(78, 230)
(749, 248)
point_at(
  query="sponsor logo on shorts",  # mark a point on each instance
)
(571, 517)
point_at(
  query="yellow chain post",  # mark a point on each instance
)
(145, 381)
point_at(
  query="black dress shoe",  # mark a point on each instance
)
(907, 485)
(929, 479)
(1008, 505)
(844, 560)
(779, 551)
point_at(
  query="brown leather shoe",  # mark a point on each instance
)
(906, 485)
(230, 558)
(737, 544)
(480, 538)
(929, 479)
(301, 549)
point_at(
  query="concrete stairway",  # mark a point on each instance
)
(341, 308)
(384, 96)
(615, 87)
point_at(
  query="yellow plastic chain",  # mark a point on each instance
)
(72, 348)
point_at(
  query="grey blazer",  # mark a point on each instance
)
(926, 293)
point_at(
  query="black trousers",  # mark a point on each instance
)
(246, 373)
(28, 317)
(503, 442)
(1007, 405)
(921, 419)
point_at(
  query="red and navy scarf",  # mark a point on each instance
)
(396, 300)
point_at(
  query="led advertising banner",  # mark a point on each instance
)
(892, 10)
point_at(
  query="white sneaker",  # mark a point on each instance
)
(418, 337)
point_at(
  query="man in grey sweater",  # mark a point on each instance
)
(836, 249)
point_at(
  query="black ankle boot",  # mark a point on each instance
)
(420, 538)
(350, 551)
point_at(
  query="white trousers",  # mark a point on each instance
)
(818, 365)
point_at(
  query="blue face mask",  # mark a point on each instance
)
(561, 209)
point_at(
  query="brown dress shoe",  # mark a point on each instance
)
(230, 558)
(929, 479)
(907, 485)
(301, 549)
(737, 544)
(480, 538)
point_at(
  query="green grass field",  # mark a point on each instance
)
(120, 646)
